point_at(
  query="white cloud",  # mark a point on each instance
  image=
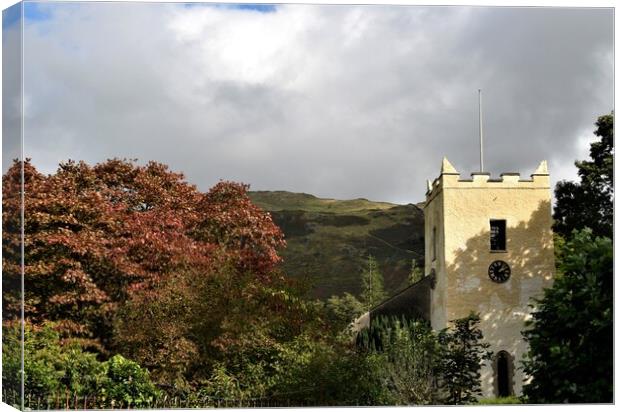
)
(338, 101)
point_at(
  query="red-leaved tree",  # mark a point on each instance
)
(98, 236)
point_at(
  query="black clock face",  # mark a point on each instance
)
(499, 271)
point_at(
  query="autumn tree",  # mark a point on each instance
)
(92, 235)
(247, 234)
(11, 233)
(98, 236)
(198, 316)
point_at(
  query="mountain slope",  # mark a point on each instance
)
(328, 241)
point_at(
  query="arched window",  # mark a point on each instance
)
(504, 369)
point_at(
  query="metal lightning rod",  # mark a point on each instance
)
(480, 128)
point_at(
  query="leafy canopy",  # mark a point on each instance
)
(97, 236)
(589, 203)
(571, 332)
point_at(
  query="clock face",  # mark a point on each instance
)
(499, 271)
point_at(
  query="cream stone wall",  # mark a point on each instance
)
(433, 218)
(461, 210)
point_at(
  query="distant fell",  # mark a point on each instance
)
(329, 240)
(282, 200)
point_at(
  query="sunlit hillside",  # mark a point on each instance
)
(328, 240)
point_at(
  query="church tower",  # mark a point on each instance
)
(489, 244)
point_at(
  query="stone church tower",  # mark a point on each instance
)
(489, 249)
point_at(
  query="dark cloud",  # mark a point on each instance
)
(338, 101)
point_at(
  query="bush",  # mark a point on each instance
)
(53, 369)
(127, 383)
(508, 400)
(324, 372)
(43, 365)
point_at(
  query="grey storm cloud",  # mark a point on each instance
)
(337, 101)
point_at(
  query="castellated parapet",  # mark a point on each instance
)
(462, 217)
(450, 178)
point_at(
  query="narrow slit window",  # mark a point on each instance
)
(434, 244)
(498, 234)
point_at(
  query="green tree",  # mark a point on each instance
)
(589, 203)
(391, 345)
(464, 352)
(417, 366)
(416, 274)
(373, 292)
(571, 333)
(341, 311)
(323, 371)
(412, 359)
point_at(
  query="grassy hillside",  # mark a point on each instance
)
(281, 200)
(328, 241)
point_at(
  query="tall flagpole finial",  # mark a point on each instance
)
(480, 129)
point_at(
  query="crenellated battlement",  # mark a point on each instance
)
(450, 178)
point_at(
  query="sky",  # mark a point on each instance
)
(337, 101)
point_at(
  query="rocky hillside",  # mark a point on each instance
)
(328, 241)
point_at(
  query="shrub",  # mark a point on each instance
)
(508, 400)
(128, 383)
(43, 366)
(53, 369)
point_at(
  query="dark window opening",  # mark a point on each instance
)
(503, 375)
(498, 235)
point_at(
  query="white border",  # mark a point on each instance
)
(484, 3)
